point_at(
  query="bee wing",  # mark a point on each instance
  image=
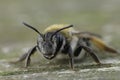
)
(96, 40)
(86, 33)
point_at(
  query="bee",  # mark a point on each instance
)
(63, 38)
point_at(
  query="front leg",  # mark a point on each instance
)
(27, 56)
(30, 52)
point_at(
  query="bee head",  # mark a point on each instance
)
(46, 46)
(47, 42)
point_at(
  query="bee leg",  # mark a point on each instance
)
(30, 52)
(21, 58)
(27, 56)
(77, 51)
(92, 54)
(71, 56)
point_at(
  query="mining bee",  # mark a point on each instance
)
(62, 38)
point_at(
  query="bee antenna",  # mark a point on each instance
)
(61, 30)
(33, 28)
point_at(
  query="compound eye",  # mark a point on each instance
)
(41, 45)
(40, 39)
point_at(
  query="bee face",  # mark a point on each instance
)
(46, 47)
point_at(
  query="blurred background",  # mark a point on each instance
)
(97, 16)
